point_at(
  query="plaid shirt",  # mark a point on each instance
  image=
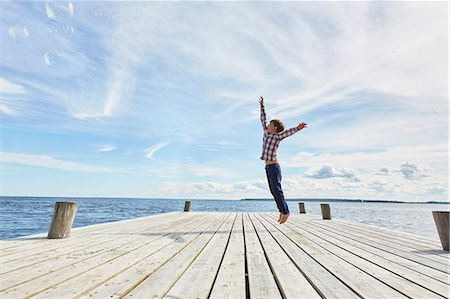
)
(272, 141)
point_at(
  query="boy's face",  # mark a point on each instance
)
(271, 128)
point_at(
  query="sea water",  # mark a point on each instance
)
(21, 216)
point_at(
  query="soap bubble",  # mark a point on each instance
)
(68, 29)
(18, 33)
(53, 58)
(58, 11)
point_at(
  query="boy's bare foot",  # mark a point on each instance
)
(279, 218)
(283, 218)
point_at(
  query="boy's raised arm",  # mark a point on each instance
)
(263, 113)
(291, 131)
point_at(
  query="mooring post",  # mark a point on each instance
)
(326, 212)
(441, 219)
(187, 205)
(301, 207)
(62, 220)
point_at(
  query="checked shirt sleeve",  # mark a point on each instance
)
(287, 133)
(263, 118)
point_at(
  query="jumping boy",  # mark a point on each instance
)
(273, 134)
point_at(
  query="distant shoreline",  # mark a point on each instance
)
(242, 199)
(349, 200)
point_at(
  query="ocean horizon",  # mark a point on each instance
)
(25, 215)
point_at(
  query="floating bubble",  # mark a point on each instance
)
(18, 33)
(68, 29)
(53, 58)
(58, 11)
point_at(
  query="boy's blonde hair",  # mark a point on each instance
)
(278, 124)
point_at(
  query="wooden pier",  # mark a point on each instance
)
(225, 255)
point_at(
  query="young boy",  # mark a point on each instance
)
(273, 134)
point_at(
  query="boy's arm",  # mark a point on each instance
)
(291, 131)
(263, 113)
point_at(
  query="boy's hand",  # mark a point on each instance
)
(261, 101)
(302, 126)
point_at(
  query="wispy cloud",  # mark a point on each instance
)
(106, 148)
(7, 87)
(150, 152)
(4, 109)
(192, 170)
(370, 79)
(48, 162)
(9, 93)
(391, 157)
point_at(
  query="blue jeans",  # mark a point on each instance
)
(274, 178)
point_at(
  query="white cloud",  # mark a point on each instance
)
(383, 171)
(170, 170)
(48, 162)
(411, 171)
(4, 109)
(150, 152)
(214, 189)
(371, 77)
(328, 171)
(7, 87)
(379, 186)
(106, 148)
(431, 155)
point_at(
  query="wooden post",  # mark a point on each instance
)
(326, 213)
(62, 220)
(301, 207)
(441, 219)
(187, 205)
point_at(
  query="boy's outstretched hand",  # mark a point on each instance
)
(302, 126)
(261, 101)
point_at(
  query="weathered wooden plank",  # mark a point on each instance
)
(383, 258)
(160, 255)
(86, 249)
(84, 231)
(392, 259)
(230, 281)
(404, 239)
(82, 235)
(393, 235)
(122, 282)
(205, 267)
(260, 278)
(75, 279)
(159, 282)
(328, 285)
(291, 281)
(395, 278)
(79, 260)
(430, 260)
(358, 280)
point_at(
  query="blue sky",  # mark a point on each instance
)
(160, 99)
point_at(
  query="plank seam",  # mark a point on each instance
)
(147, 276)
(247, 283)
(197, 255)
(353, 290)
(342, 239)
(280, 288)
(317, 244)
(385, 250)
(369, 262)
(49, 287)
(223, 256)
